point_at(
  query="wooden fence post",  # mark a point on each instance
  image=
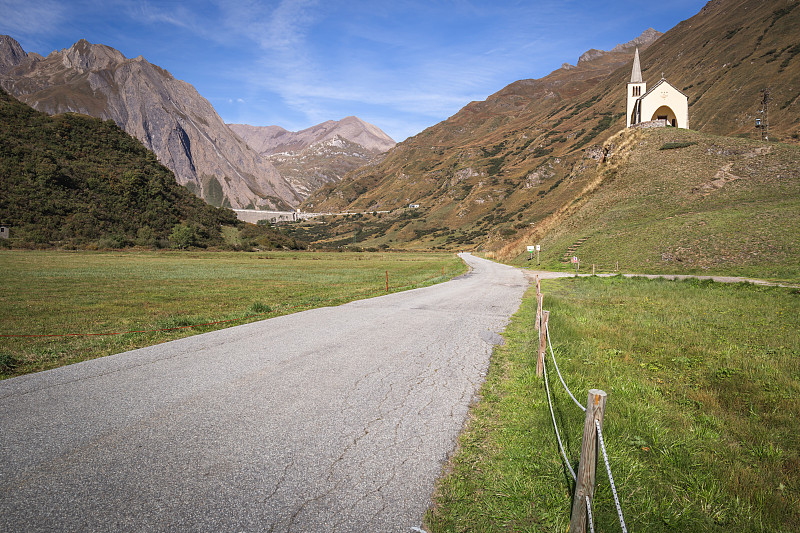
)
(542, 343)
(584, 484)
(539, 300)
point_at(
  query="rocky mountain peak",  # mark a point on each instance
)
(321, 154)
(11, 53)
(167, 115)
(367, 135)
(648, 36)
(268, 140)
(84, 56)
(591, 55)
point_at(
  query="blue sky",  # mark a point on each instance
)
(402, 65)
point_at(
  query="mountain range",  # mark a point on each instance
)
(173, 120)
(497, 174)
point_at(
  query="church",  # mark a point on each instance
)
(662, 105)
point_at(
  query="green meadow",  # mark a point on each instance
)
(701, 424)
(63, 293)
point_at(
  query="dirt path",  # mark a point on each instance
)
(544, 274)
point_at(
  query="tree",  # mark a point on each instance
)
(182, 236)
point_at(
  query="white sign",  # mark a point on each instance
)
(538, 247)
(574, 259)
(532, 248)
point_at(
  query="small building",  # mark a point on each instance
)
(5, 232)
(663, 102)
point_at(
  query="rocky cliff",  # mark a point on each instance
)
(167, 115)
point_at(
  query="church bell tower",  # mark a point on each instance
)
(636, 88)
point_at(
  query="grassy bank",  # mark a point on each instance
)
(702, 430)
(55, 293)
(716, 205)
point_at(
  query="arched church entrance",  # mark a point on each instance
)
(665, 113)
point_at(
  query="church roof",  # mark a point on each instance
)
(654, 87)
(636, 72)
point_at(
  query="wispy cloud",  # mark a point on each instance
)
(419, 76)
(174, 15)
(28, 20)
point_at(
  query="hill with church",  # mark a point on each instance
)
(491, 176)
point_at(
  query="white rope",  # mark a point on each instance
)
(610, 477)
(553, 355)
(552, 414)
(589, 511)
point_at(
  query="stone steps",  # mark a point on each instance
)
(572, 250)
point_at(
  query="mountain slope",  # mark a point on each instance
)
(166, 114)
(672, 200)
(476, 146)
(321, 154)
(74, 180)
(321, 163)
(496, 167)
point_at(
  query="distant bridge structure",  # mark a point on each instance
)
(254, 215)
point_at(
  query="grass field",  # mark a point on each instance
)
(701, 426)
(57, 293)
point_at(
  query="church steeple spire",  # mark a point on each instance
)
(636, 72)
(636, 89)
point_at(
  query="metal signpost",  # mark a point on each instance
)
(536, 249)
(576, 263)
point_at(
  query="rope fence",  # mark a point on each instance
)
(592, 433)
(273, 311)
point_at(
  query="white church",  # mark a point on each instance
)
(663, 104)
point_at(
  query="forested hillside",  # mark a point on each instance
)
(75, 181)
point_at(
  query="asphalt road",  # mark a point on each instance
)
(334, 419)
